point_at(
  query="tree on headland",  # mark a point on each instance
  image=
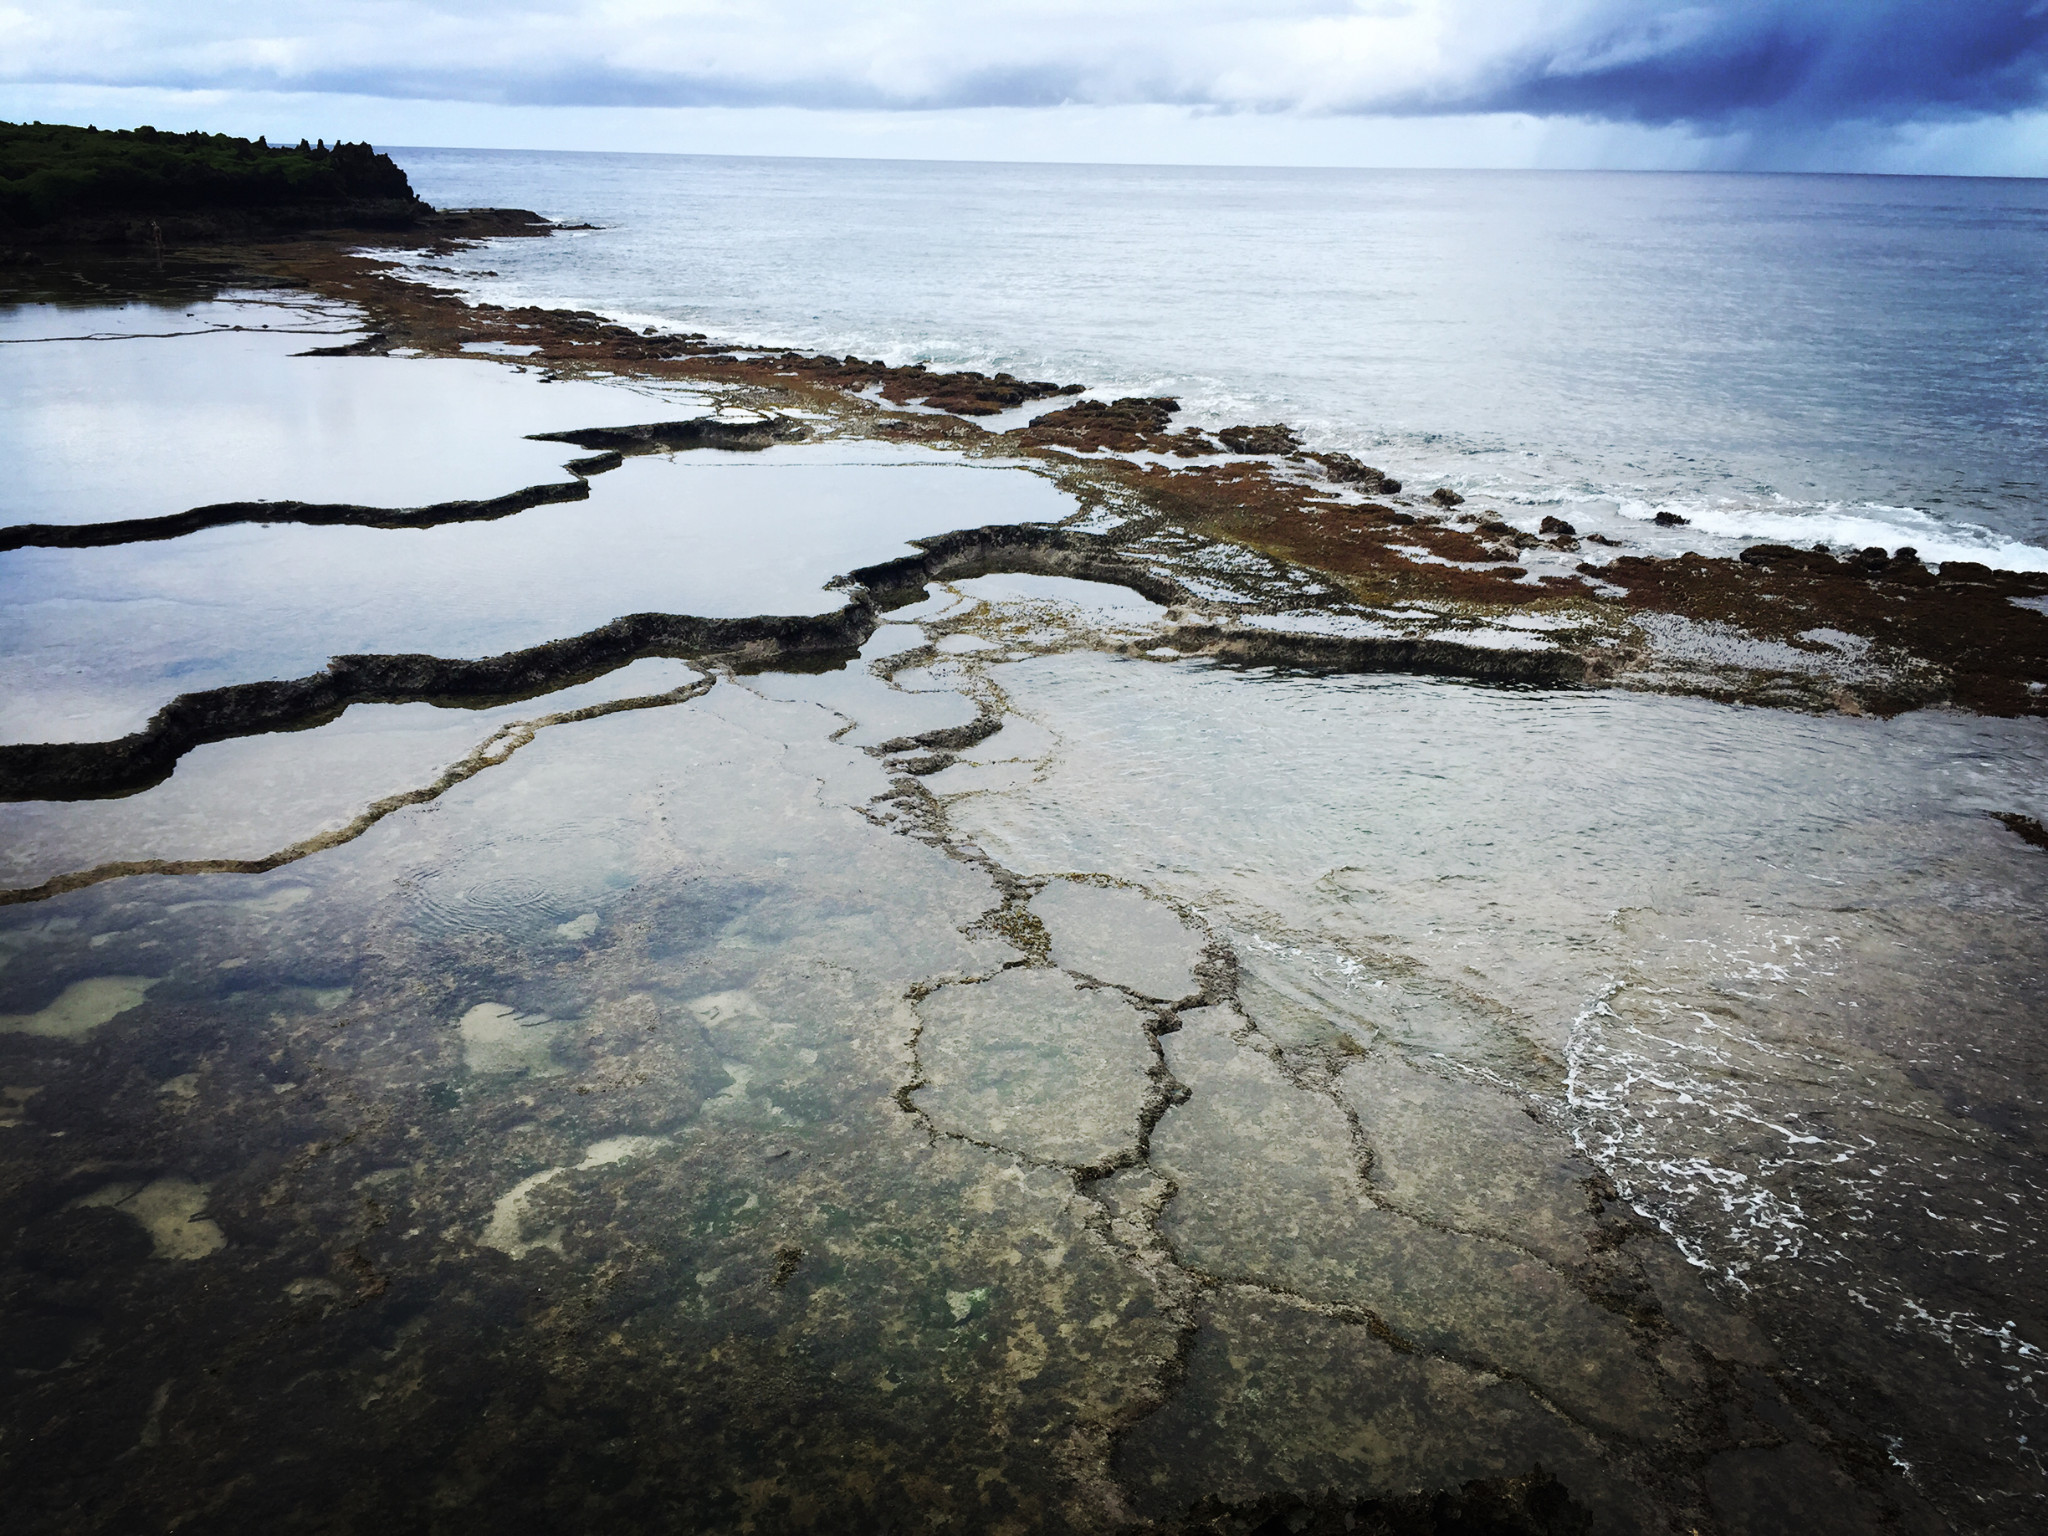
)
(52, 175)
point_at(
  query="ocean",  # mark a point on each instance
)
(1850, 359)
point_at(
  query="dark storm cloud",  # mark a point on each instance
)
(1765, 66)
(1796, 64)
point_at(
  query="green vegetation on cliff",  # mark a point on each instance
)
(86, 178)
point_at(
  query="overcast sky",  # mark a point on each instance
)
(1942, 85)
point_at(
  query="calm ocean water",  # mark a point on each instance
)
(1855, 359)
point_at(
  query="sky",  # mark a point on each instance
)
(1939, 86)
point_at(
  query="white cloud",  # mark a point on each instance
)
(1753, 73)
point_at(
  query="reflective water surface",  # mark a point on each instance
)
(94, 641)
(1779, 977)
(138, 411)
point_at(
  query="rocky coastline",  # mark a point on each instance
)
(1872, 631)
(1869, 632)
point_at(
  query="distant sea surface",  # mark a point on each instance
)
(1860, 360)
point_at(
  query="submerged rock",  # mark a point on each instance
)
(1120, 936)
(1034, 1063)
(783, 1183)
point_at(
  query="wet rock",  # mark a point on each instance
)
(1954, 631)
(1467, 1155)
(224, 514)
(1790, 1488)
(1771, 554)
(1330, 653)
(1505, 533)
(1557, 527)
(697, 432)
(793, 1308)
(1683, 1297)
(81, 1008)
(372, 345)
(1273, 1193)
(1873, 564)
(1444, 496)
(1031, 1062)
(2026, 828)
(973, 394)
(1670, 520)
(39, 1341)
(1533, 1505)
(169, 1211)
(1120, 936)
(495, 1038)
(512, 1229)
(1345, 470)
(1268, 439)
(1290, 1420)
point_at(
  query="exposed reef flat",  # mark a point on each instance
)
(990, 960)
(1725, 627)
(257, 635)
(1871, 631)
(736, 1065)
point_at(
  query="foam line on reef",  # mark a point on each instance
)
(91, 770)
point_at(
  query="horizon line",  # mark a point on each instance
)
(1202, 165)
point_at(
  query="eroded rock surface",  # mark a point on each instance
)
(1273, 1190)
(1121, 936)
(1030, 1061)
